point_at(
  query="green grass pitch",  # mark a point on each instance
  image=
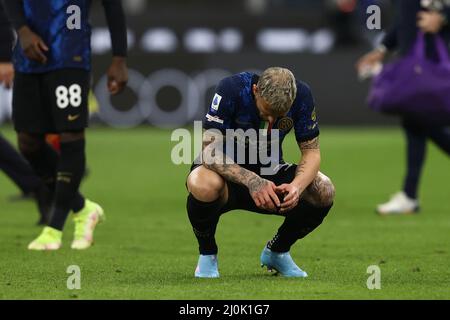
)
(146, 250)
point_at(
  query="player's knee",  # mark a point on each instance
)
(324, 191)
(72, 136)
(205, 185)
(327, 192)
(30, 144)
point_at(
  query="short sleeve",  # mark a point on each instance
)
(221, 110)
(305, 119)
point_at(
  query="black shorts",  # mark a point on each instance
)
(52, 102)
(239, 197)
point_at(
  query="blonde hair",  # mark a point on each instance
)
(277, 86)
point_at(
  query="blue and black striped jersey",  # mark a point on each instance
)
(64, 27)
(233, 107)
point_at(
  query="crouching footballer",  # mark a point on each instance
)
(220, 180)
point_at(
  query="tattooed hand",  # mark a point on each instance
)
(263, 193)
(261, 190)
(292, 196)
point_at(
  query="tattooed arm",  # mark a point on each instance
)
(213, 158)
(307, 170)
(309, 165)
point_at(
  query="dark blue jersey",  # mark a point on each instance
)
(234, 107)
(65, 29)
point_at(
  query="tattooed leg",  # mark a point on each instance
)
(320, 192)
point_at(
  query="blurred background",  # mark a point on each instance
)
(180, 49)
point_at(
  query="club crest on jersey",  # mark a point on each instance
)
(285, 124)
(216, 102)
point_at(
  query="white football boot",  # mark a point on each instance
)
(399, 203)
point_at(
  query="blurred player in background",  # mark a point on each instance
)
(220, 183)
(6, 42)
(52, 62)
(11, 162)
(412, 15)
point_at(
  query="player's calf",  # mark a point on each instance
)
(207, 194)
(70, 171)
(42, 158)
(312, 209)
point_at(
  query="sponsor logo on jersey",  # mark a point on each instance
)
(211, 118)
(216, 102)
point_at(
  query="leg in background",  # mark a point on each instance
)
(17, 169)
(416, 151)
(441, 137)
